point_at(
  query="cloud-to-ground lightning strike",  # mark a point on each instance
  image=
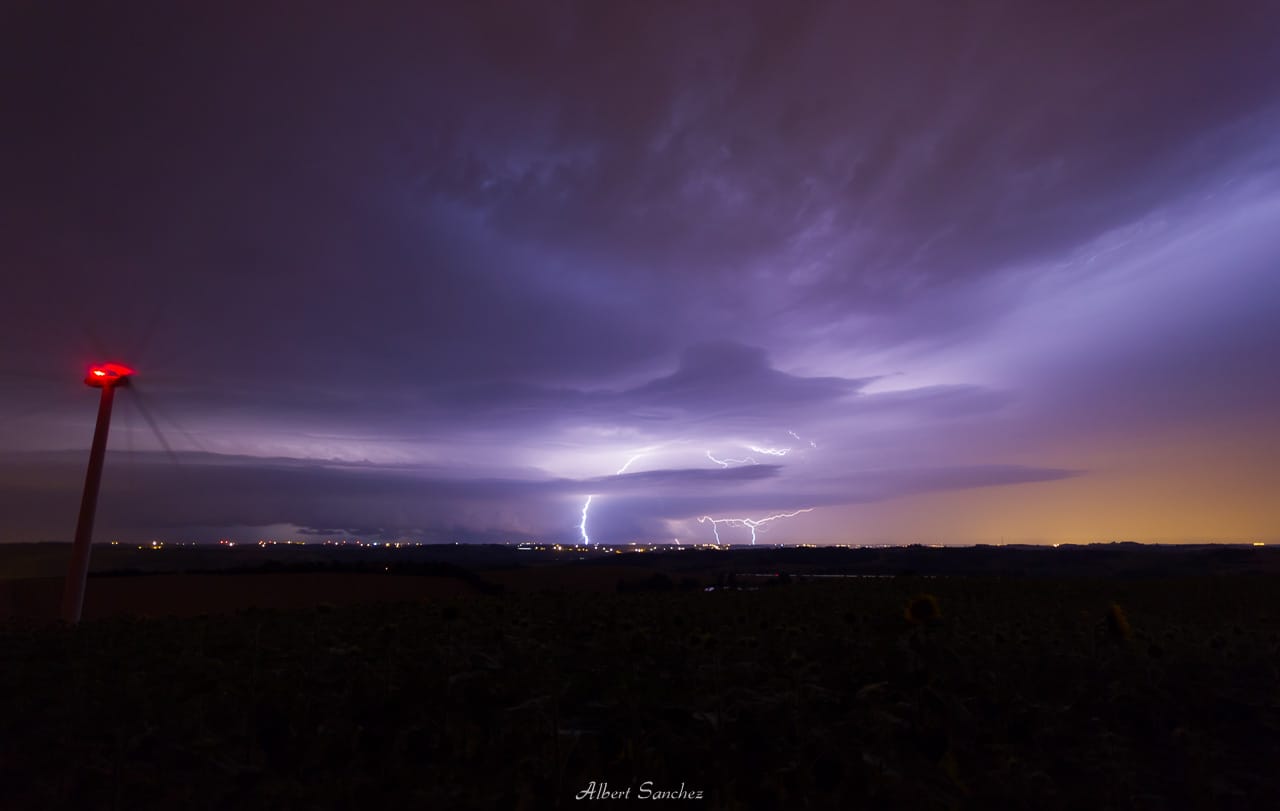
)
(582, 526)
(753, 523)
(750, 523)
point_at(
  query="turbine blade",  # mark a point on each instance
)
(34, 409)
(22, 374)
(195, 443)
(95, 341)
(148, 333)
(130, 458)
(155, 428)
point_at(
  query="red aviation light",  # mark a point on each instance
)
(108, 374)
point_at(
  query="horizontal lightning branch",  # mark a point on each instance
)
(769, 451)
(750, 523)
(726, 462)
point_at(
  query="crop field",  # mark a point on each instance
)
(1063, 693)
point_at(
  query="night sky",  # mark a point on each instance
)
(937, 272)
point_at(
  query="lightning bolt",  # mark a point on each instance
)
(796, 436)
(750, 523)
(582, 525)
(769, 451)
(586, 506)
(727, 462)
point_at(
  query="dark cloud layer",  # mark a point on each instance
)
(550, 237)
(152, 493)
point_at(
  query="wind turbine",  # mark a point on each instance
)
(108, 377)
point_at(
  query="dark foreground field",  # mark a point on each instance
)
(815, 695)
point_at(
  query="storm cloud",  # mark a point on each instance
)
(446, 270)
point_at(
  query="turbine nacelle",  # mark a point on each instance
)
(108, 374)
